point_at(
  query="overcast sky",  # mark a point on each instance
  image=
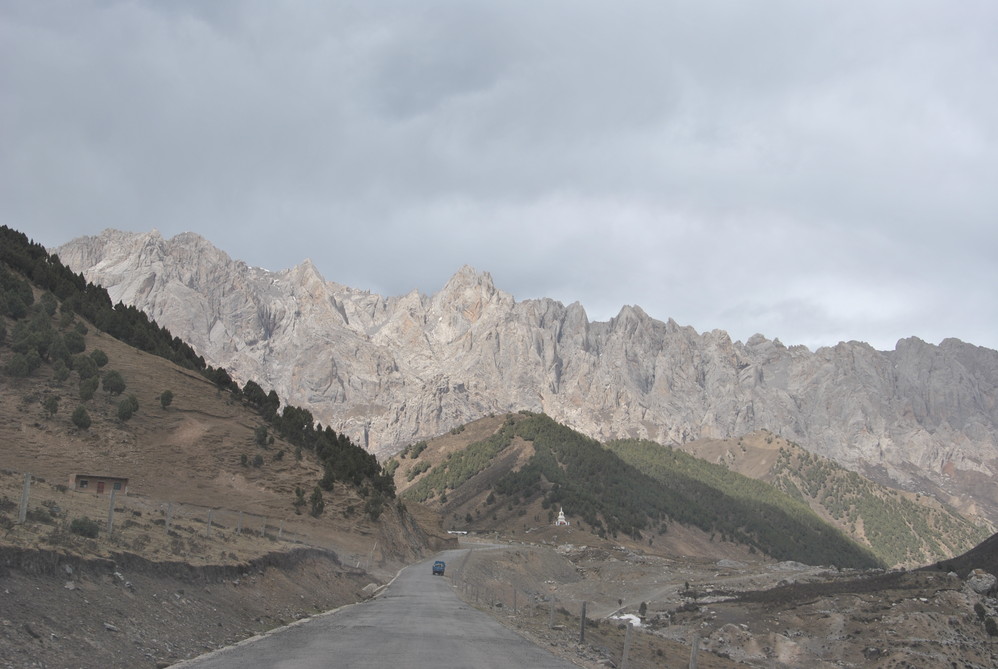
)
(813, 171)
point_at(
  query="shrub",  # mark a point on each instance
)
(374, 506)
(113, 382)
(16, 308)
(39, 514)
(85, 366)
(51, 405)
(127, 407)
(166, 399)
(328, 478)
(991, 626)
(59, 352)
(49, 304)
(318, 504)
(85, 527)
(299, 500)
(60, 372)
(81, 418)
(88, 387)
(18, 366)
(74, 342)
(99, 357)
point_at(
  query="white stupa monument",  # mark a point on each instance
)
(561, 518)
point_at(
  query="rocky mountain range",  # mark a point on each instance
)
(388, 371)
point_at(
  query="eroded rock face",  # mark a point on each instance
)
(981, 581)
(389, 371)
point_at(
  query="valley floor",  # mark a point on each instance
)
(58, 611)
(741, 614)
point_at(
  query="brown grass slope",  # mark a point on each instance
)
(205, 548)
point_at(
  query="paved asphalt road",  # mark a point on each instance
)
(417, 623)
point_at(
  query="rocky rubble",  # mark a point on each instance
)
(59, 610)
(391, 370)
(741, 613)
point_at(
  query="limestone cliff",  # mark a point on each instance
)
(391, 370)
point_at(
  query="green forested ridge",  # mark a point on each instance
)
(637, 488)
(47, 332)
(715, 499)
(899, 530)
(459, 466)
(576, 472)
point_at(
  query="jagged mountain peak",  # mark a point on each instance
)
(467, 298)
(468, 275)
(467, 284)
(306, 275)
(391, 371)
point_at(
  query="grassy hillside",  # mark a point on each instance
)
(556, 466)
(736, 507)
(899, 527)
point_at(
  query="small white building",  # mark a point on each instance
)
(561, 518)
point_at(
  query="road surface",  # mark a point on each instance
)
(417, 623)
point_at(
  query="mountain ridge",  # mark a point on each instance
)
(388, 371)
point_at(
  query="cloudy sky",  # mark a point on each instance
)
(813, 171)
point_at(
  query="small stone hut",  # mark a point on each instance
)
(99, 484)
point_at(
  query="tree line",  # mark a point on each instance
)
(637, 488)
(35, 341)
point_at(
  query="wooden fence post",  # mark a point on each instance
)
(110, 514)
(22, 512)
(627, 646)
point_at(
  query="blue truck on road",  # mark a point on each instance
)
(438, 568)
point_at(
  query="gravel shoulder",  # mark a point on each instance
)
(59, 611)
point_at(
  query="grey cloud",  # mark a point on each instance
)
(813, 171)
